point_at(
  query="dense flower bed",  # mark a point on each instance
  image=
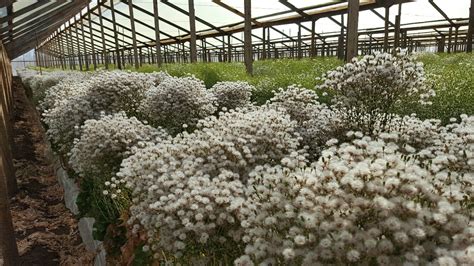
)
(216, 179)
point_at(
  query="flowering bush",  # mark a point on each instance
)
(75, 83)
(377, 82)
(176, 102)
(107, 92)
(231, 95)
(39, 84)
(158, 77)
(105, 142)
(316, 122)
(361, 202)
(64, 120)
(288, 183)
(96, 158)
(187, 192)
(116, 91)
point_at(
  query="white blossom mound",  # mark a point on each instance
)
(75, 83)
(158, 77)
(64, 120)
(377, 82)
(187, 192)
(115, 91)
(105, 142)
(39, 84)
(232, 94)
(176, 102)
(316, 122)
(362, 202)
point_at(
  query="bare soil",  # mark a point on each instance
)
(46, 231)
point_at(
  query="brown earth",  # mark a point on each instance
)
(46, 231)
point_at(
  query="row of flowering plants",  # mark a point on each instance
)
(177, 173)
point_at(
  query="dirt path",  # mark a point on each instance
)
(46, 231)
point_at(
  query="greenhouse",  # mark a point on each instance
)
(236, 132)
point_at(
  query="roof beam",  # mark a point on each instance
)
(381, 16)
(38, 16)
(24, 10)
(21, 45)
(441, 11)
(294, 8)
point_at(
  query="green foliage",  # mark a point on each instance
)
(451, 77)
(269, 75)
(141, 257)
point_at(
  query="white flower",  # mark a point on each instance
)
(232, 95)
(288, 253)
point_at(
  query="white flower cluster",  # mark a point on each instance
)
(377, 82)
(232, 94)
(39, 84)
(363, 202)
(72, 84)
(316, 122)
(63, 121)
(176, 102)
(76, 99)
(187, 192)
(158, 77)
(288, 183)
(114, 91)
(105, 142)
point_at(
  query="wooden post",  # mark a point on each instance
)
(370, 44)
(441, 44)
(8, 248)
(470, 31)
(264, 52)
(61, 51)
(248, 58)
(105, 56)
(300, 53)
(456, 31)
(72, 63)
(313, 38)
(192, 31)
(340, 46)
(117, 47)
(83, 37)
(229, 49)
(352, 28)
(450, 37)
(159, 60)
(203, 52)
(269, 44)
(94, 59)
(78, 46)
(387, 20)
(134, 35)
(397, 27)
